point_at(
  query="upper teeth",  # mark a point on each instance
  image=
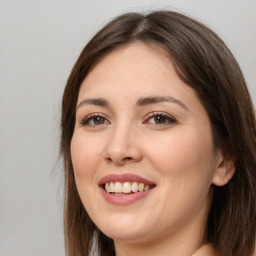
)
(125, 187)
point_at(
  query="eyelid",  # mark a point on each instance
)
(171, 120)
(87, 118)
(163, 114)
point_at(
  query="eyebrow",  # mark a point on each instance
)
(97, 101)
(159, 99)
(141, 101)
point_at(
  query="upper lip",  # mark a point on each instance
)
(125, 177)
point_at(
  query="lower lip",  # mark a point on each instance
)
(126, 198)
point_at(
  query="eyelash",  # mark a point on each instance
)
(168, 119)
(85, 121)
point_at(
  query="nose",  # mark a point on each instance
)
(123, 146)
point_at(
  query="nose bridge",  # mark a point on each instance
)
(122, 143)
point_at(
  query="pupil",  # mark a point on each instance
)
(159, 119)
(98, 120)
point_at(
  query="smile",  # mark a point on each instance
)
(125, 189)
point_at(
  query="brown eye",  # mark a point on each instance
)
(94, 120)
(98, 120)
(161, 119)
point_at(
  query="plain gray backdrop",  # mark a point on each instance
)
(39, 43)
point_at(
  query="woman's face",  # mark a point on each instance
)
(138, 125)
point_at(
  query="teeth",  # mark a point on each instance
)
(135, 186)
(112, 187)
(118, 187)
(146, 187)
(107, 187)
(126, 187)
(141, 187)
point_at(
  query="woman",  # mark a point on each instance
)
(158, 139)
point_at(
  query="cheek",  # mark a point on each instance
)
(184, 155)
(85, 154)
(184, 163)
(85, 157)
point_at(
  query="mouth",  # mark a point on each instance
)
(125, 189)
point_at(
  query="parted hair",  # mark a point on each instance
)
(203, 61)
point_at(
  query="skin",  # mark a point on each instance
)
(178, 156)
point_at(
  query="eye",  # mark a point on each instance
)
(160, 119)
(94, 120)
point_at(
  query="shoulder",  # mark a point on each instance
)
(205, 250)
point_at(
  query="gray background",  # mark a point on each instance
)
(39, 43)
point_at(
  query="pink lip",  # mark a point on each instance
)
(124, 199)
(123, 178)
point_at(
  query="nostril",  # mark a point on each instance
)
(120, 161)
(109, 159)
(127, 158)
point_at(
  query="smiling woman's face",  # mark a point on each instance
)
(138, 125)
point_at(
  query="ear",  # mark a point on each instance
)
(225, 169)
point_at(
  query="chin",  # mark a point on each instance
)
(124, 235)
(123, 229)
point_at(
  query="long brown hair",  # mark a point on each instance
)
(204, 62)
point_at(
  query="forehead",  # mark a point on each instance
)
(137, 64)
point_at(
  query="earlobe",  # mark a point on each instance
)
(225, 169)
